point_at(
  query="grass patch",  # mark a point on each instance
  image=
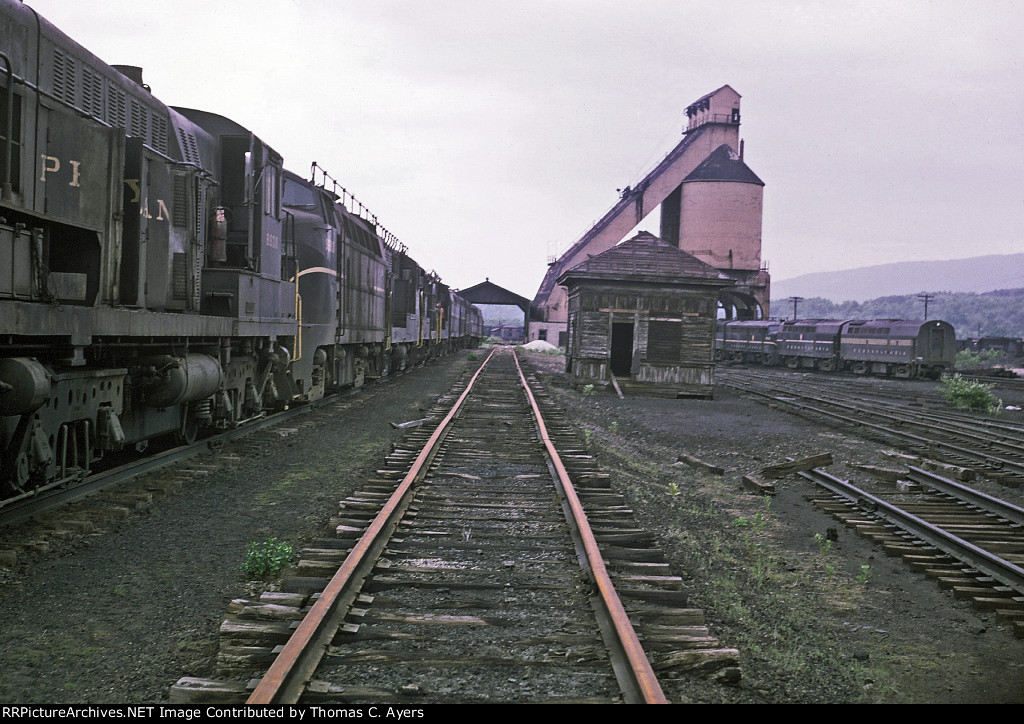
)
(266, 559)
(272, 493)
(781, 608)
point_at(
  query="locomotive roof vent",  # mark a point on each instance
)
(132, 73)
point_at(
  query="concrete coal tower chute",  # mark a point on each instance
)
(711, 206)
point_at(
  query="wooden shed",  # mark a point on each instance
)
(643, 311)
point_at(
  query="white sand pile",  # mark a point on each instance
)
(539, 345)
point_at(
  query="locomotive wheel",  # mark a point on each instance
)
(189, 427)
(19, 475)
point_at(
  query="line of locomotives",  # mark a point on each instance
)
(892, 347)
(162, 273)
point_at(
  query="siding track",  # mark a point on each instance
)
(994, 449)
(968, 542)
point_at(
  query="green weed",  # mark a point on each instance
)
(969, 395)
(267, 559)
(967, 358)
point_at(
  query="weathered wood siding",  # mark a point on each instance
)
(673, 334)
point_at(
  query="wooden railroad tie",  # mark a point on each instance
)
(760, 482)
(700, 464)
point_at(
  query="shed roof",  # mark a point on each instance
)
(487, 292)
(646, 258)
(724, 164)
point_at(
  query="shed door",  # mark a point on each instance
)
(622, 348)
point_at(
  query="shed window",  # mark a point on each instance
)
(664, 343)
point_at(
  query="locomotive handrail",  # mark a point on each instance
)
(389, 238)
(7, 186)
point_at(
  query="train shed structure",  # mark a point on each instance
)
(490, 294)
(641, 316)
(711, 207)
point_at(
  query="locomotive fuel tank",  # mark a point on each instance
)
(24, 386)
(174, 380)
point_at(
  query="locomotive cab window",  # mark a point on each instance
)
(297, 195)
(271, 195)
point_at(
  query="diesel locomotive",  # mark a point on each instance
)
(161, 272)
(896, 347)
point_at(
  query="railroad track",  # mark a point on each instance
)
(481, 564)
(993, 448)
(969, 542)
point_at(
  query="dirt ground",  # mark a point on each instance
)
(814, 621)
(118, 614)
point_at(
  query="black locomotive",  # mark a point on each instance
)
(897, 347)
(162, 273)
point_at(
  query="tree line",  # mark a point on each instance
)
(998, 313)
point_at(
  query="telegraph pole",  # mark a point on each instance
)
(795, 300)
(927, 298)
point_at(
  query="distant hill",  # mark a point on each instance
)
(977, 274)
(998, 313)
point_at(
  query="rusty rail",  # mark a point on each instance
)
(642, 685)
(288, 676)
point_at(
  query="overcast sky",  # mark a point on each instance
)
(487, 135)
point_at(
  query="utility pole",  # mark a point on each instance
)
(927, 298)
(795, 300)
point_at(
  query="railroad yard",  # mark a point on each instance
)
(125, 603)
(257, 450)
